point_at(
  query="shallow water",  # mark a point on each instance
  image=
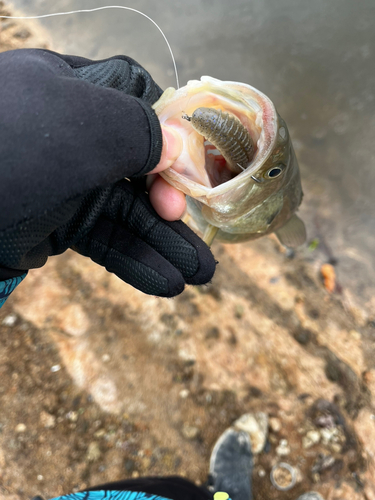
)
(315, 60)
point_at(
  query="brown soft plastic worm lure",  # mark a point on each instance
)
(226, 132)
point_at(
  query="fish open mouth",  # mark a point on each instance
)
(218, 161)
(203, 171)
(229, 146)
(210, 155)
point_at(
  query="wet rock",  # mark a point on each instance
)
(256, 425)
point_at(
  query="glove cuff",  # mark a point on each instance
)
(6, 273)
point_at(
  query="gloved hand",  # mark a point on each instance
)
(71, 130)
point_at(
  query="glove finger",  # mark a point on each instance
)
(119, 75)
(119, 72)
(113, 246)
(173, 240)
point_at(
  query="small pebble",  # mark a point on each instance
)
(100, 433)
(106, 358)
(283, 449)
(336, 447)
(311, 495)
(261, 472)
(47, 420)
(355, 335)
(72, 416)
(190, 432)
(146, 463)
(40, 477)
(10, 320)
(311, 438)
(275, 424)
(239, 311)
(20, 428)
(184, 393)
(55, 368)
(329, 435)
(93, 452)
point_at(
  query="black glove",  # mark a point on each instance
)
(66, 140)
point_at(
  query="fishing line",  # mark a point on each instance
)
(103, 8)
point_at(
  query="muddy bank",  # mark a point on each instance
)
(101, 382)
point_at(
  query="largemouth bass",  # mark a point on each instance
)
(228, 200)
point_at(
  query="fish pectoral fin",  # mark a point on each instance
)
(293, 233)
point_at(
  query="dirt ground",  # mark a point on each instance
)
(100, 382)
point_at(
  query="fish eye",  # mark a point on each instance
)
(274, 172)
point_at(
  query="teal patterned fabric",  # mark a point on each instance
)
(7, 287)
(110, 495)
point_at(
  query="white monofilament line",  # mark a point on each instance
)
(103, 8)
